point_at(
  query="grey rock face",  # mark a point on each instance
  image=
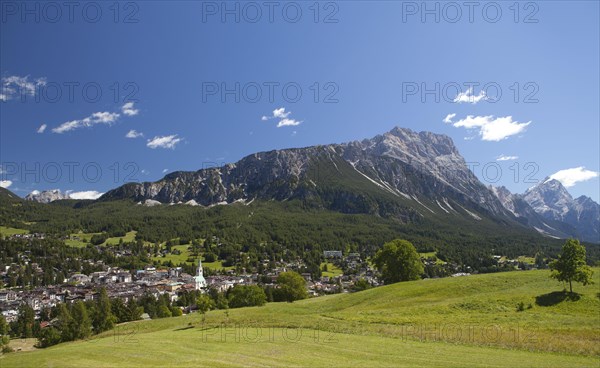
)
(46, 196)
(404, 164)
(552, 200)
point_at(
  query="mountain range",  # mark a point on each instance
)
(401, 174)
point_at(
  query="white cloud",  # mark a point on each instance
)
(89, 194)
(279, 113)
(15, 85)
(42, 128)
(133, 134)
(168, 141)
(282, 115)
(506, 158)
(469, 97)
(104, 117)
(288, 122)
(95, 118)
(165, 170)
(491, 128)
(5, 183)
(128, 109)
(448, 118)
(570, 177)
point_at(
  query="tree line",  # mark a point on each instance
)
(291, 225)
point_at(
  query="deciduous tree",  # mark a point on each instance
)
(290, 286)
(247, 296)
(570, 265)
(398, 261)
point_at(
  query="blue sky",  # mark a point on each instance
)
(161, 68)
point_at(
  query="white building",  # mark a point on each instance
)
(199, 278)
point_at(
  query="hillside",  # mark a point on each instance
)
(454, 322)
(291, 223)
(400, 174)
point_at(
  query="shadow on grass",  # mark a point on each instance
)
(183, 328)
(555, 297)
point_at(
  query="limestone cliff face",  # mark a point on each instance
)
(400, 173)
(407, 165)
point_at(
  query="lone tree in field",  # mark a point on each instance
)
(570, 265)
(398, 261)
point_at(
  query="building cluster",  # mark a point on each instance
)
(354, 269)
(118, 283)
(28, 236)
(127, 285)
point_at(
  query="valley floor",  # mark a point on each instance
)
(471, 321)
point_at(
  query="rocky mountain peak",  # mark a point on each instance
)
(553, 201)
(46, 196)
(422, 143)
(584, 200)
(550, 197)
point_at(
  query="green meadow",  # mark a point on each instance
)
(129, 237)
(472, 321)
(83, 239)
(185, 255)
(8, 231)
(332, 270)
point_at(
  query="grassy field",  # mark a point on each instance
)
(8, 231)
(530, 260)
(216, 265)
(185, 255)
(332, 270)
(81, 240)
(277, 347)
(23, 344)
(430, 255)
(453, 322)
(129, 237)
(175, 258)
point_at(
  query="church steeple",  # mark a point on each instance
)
(199, 270)
(199, 278)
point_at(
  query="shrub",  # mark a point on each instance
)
(7, 349)
(521, 306)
